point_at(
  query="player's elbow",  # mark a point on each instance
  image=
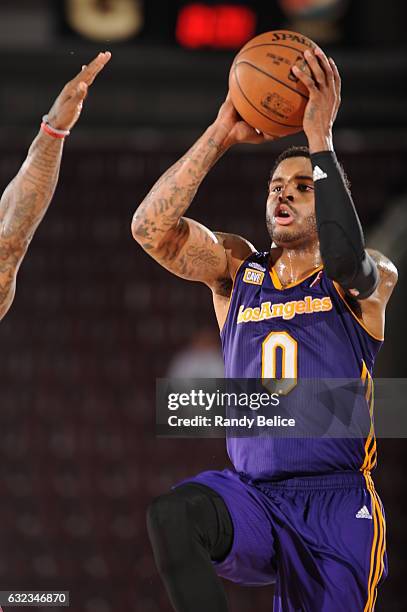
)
(133, 229)
(140, 230)
(351, 272)
(136, 227)
(8, 297)
(392, 274)
(339, 268)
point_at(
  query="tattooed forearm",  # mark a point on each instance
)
(182, 245)
(26, 199)
(171, 196)
(22, 206)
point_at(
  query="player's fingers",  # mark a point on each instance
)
(337, 77)
(315, 68)
(264, 137)
(228, 103)
(90, 71)
(81, 92)
(305, 79)
(253, 135)
(85, 67)
(326, 66)
(257, 139)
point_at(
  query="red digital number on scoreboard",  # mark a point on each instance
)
(220, 26)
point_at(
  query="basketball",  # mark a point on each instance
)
(264, 90)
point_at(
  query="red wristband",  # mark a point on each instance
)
(48, 130)
(51, 130)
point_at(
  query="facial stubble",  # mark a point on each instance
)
(279, 235)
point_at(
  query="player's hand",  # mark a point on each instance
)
(67, 107)
(324, 88)
(236, 129)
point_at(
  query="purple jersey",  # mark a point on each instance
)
(305, 330)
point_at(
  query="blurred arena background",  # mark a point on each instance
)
(95, 321)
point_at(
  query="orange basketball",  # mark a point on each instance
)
(264, 90)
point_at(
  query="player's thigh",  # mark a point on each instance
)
(358, 537)
(336, 555)
(251, 559)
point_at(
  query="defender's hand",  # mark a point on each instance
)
(324, 88)
(235, 128)
(67, 107)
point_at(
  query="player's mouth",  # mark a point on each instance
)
(283, 215)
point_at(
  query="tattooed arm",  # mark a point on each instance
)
(22, 207)
(183, 246)
(26, 199)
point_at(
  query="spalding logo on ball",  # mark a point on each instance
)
(264, 90)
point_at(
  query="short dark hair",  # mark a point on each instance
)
(300, 152)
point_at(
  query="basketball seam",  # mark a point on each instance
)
(272, 77)
(263, 114)
(268, 45)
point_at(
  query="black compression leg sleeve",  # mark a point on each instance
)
(188, 527)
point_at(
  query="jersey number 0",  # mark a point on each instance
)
(288, 354)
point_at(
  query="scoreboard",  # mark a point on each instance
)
(211, 24)
(229, 24)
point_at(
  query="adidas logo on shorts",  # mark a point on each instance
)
(364, 513)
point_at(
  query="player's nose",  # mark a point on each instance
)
(285, 196)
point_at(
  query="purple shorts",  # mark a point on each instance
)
(320, 539)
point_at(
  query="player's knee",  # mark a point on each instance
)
(167, 513)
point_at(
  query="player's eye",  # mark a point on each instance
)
(276, 189)
(303, 187)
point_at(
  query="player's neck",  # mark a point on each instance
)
(293, 264)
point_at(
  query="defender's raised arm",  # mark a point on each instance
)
(27, 197)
